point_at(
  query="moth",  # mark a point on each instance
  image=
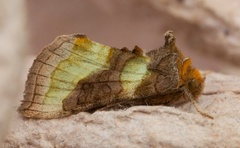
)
(75, 74)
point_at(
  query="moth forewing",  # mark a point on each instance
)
(75, 74)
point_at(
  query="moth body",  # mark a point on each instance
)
(75, 74)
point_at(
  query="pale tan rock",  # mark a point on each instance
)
(143, 126)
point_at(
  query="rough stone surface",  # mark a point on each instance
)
(143, 126)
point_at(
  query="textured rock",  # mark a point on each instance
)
(143, 126)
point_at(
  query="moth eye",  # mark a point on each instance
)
(192, 84)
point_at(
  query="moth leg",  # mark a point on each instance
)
(157, 100)
(189, 97)
(116, 106)
(124, 104)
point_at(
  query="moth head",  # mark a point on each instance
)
(192, 78)
(196, 85)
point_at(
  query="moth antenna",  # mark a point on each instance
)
(189, 97)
